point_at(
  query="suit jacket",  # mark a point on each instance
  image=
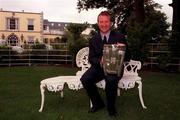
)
(96, 47)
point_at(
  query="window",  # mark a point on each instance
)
(31, 40)
(44, 27)
(30, 24)
(13, 40)
(51, 40)
(45, 40)
(12, 23)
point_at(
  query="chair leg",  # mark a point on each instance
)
(42, 88)
(90, 103)
(62, 94)
(118, 92)
(140, 94)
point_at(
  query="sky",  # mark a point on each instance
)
(65, 10)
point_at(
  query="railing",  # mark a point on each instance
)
(60, 56)
(34, 57)
(157, 49)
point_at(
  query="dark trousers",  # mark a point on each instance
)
(95, 74)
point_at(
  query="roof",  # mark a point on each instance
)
(56, 25)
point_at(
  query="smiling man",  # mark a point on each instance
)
(96, 73)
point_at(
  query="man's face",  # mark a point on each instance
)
(104, 23)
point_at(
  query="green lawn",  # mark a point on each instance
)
(20, 97)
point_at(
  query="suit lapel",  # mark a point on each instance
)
(99, 41)
(113, 38)
(110, 40)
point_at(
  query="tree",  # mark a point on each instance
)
(176, 14)
(120, 9)
(175, 36)
(75, 40)
(139, 11)
(139, 35)
(138, 19)
(64, 39)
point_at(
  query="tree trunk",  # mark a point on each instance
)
(175, 37)
(139, 10)
(176, 14)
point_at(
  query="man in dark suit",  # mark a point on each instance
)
(95, 73)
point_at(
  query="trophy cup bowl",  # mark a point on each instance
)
(113, 57)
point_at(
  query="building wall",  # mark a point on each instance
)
(44, 30)
(22, 33)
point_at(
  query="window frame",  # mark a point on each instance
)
(12, 23)
(30, 24)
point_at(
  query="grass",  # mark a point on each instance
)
(20, 97)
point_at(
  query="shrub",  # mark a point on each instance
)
(38, 46)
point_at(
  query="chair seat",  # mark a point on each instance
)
(130, 77)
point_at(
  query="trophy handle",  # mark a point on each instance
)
(105, 72)
(121, 62)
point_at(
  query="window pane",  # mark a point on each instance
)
(30, 27)
(12, 24)
(31, 40)
(44, 27)
(30, 22)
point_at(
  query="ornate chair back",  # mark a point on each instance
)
(82, 60)
(131, 68)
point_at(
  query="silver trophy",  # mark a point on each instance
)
(113, 57)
